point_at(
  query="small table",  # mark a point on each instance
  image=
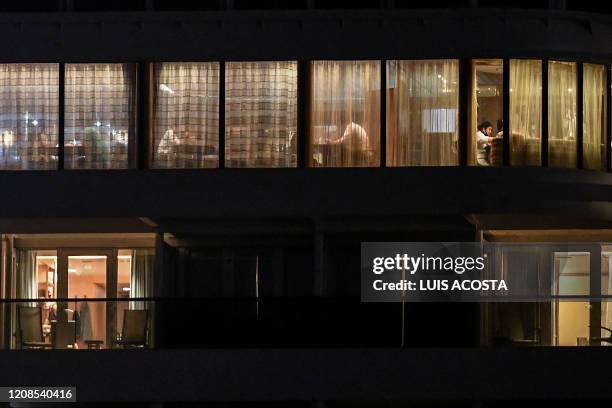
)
(94, 344)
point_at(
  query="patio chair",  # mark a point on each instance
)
(30, 328)
(134, 331)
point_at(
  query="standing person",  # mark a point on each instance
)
(483, 141)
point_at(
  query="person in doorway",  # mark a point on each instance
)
(483, 143)
(500, 128)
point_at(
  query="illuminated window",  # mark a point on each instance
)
(594, 120)
(486, 113)
(345, 114)
(186, 115)
(261, 114)
(562, 114)
(98, 116)
(525, 112)
(422, 113)
(28, 116)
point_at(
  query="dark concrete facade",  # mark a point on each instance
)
(310, 206)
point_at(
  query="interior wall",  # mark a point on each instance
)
(573, 322)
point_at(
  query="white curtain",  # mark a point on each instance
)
(98, 113)
(562, 114)
(422, 106)
(26, 287)
(28, 116)
(186, 115)
(525, 112)
(595, 121)
(261, 114)
(345, 114)
(141, 280)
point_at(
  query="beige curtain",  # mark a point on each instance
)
(186, 115)
(141, 278)
(97, 116)
(562, 114)
(525, 112)
(28, 116)
(261, 114)
(345, 114)
(606, 307)
(422, 106)
(594, 120)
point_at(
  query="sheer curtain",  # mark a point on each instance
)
(606, 290)
(186, 115)
(28, 116)
(525, 112)
(562, 114)
(595, 121)
(345, 114)
(141, 280)
(422, 106)
(26, 287)
(98, 115)
(261, 114)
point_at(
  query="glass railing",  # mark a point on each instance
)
(283, 322)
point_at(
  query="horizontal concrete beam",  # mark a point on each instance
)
(306, 193)
(325, 374)
(258, 35)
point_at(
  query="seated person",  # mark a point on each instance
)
(355, 142)
(168, 143)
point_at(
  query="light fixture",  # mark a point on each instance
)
(35, 122)
(46, 257)
(126, 289)
(166, 88)
(98, 123)
(87, 257)
(72, 270)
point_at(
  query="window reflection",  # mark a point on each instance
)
(98, 115)
(594, 119)
(487, 113)
(261, 114)
(422, 107)
(345, 114)
(525, 112)
(562, 114)
(186, 115)
(28, 116)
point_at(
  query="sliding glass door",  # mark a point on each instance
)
(87, 277)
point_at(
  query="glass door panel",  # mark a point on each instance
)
(572, 272)
(87, 279)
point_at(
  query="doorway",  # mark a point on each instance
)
(572, 317)
(88, 277)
